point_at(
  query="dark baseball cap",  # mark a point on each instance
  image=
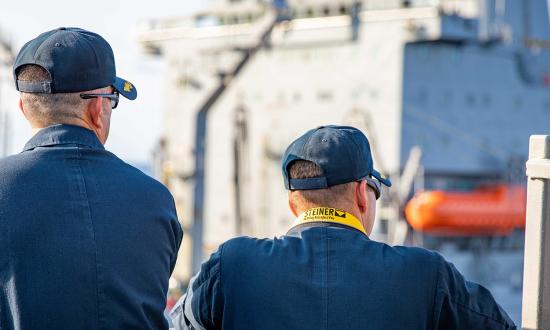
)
(77, 60)
(342, 152)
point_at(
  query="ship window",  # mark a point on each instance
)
(309, 12)
(324, 95)
(343, 10)
(326, 11)
(470, 99)
(468, 24)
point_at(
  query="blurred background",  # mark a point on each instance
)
(447, 91)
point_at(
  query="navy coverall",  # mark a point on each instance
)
(326, 275)
(86, 240)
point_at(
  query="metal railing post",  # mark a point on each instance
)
(536, 272)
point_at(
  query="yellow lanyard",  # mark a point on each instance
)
(329, 214)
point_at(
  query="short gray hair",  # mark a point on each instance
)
(49, 109)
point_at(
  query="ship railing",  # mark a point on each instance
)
(239, 19)
(158, 32)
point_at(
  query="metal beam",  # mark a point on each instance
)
(200, 143)
(536, 276)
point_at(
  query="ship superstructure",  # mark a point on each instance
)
(465, 82)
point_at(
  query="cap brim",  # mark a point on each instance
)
(385, 181)
(125, 88)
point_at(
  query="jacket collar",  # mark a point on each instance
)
(327, 217)
(296, 231)
(64, 134)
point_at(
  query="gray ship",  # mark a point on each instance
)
(448, 92)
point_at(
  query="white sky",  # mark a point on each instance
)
(136, 125)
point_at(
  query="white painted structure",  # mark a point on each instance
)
(415, 76)
(310, 77)
(536, 281)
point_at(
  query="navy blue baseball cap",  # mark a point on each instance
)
(77, 61)
(342, 152)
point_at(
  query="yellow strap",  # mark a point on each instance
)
(329, 214)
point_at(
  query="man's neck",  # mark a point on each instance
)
(36, 130)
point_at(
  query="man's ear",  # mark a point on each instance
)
(361, 195)
(23, 111)
(291, 204)
(95, 109)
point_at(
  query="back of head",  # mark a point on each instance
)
(45, 109)
(336, 196)
(321, 166)
(60, 70)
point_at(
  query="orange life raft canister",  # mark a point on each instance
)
(485, 211)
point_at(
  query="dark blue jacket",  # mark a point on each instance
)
(86, 240)
(323, 276)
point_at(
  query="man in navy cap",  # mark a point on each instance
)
(86, 240)
(326, 273)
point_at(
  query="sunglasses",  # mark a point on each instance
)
(113, 97)
(374, 184)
